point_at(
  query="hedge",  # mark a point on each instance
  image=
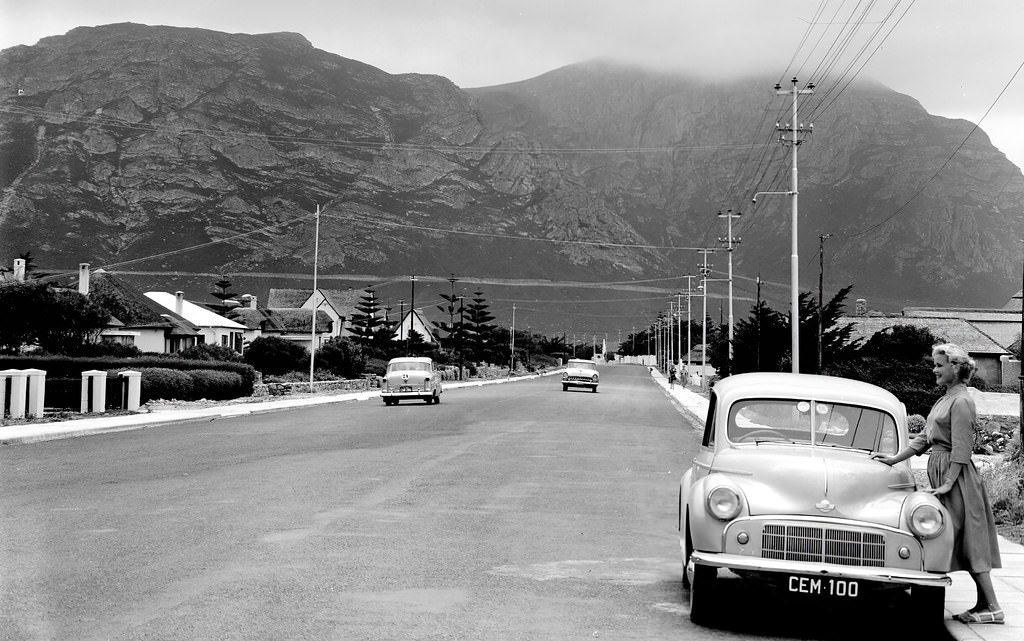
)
(209, 379)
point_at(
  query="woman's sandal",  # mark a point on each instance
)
(985, 616)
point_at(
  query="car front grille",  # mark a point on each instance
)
(822, 545)
(581, 379)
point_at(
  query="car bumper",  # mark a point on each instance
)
(412, 394)
(777, 566)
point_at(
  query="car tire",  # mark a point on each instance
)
(594, 389)
(928, 602)
(702, 594)
(687, 553)
(437, 400)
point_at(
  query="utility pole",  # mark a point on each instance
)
(730, 244)
(412, 314)
(705, 271)
(312, 333)
(797, 133)
(451, 305)
(512, 343)
(757, 312)
(821, 280)
(689, 292)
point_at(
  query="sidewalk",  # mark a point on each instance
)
(1008, 580)
(36, 432)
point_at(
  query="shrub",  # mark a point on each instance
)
(915, 423)
(1005, 486)
(342, 357)
(206, 352)
(274, 355)
(216, 384)
(165, 383)
(375, 366)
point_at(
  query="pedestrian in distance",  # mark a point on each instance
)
(672, 377)
(956, 482)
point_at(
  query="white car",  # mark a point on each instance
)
(411, 377)
(580, 373)
(784, 489)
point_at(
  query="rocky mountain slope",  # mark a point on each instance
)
(160, 148)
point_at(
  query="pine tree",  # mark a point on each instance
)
(479, 330)
(367, 322)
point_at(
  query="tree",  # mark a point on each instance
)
(451, 307)
(906, 343)
(763, 342)
(56, 320)
(274, 355)
(342, 357)
(223, 294)
(480, 340)
(367, 321)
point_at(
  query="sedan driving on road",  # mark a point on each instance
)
(414, 377)
(580, 373)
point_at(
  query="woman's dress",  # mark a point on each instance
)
(949, 434)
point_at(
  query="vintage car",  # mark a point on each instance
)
(784, 489)
(411, 377)
(580, 372)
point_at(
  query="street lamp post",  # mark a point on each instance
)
(312, 334)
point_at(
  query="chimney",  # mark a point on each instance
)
(248, 301)
(179, 302)
(83, 279)
(19, 270)
(862, 306)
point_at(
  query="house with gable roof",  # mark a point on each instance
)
(414, 320)
(213, 329)
(293, 324)
(985, 333)
(338, 304)
(134, 319)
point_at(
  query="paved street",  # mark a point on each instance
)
(512, 511)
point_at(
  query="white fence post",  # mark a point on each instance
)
(98, 398)
(36, 391)
(132, 400)
(19, 385)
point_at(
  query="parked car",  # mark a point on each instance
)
(784, 489)
(414, 377)
(580, 372)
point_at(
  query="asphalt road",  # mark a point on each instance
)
(512, 511)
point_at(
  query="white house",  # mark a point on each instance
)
(214, 328)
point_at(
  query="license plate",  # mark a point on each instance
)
(405, 388)
(823, 586)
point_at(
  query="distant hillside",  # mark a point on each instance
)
(125, 142)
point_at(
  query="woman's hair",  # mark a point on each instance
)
(957, 356)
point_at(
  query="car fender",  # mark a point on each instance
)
(706, 530)
(937, 551)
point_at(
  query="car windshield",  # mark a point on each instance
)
(796, 420)
(583, 365)
(408, 366)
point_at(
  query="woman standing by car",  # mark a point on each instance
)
(949, 433)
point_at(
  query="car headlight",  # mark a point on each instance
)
(926, 521)
(724, 502)
(565, 375)
(595, 378)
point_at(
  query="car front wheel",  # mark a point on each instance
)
(702, 594)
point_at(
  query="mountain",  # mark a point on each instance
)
(185, 150)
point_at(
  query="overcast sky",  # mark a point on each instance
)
(954, 56)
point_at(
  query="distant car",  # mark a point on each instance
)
(580, 373)
(411, 377)
(784, 489)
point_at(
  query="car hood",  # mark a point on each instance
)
(816, 481)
